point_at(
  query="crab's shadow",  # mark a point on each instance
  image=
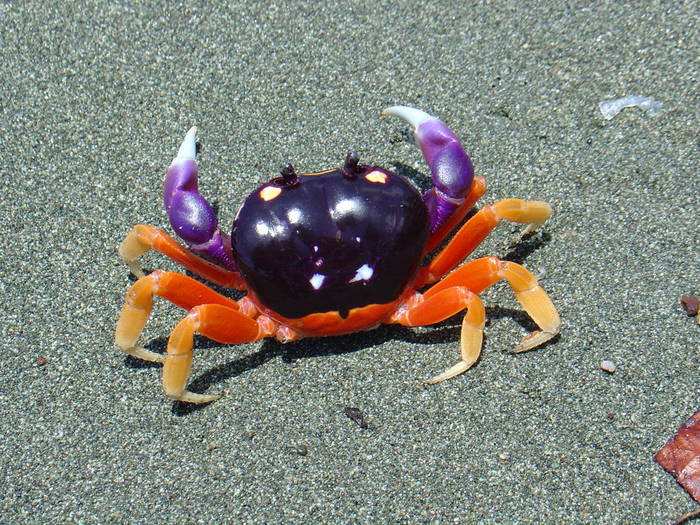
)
(422, 181)
(447, 331)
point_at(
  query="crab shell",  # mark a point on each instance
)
(330, 241)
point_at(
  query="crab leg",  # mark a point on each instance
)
(475, 230)
(445, 304)
(450, 166)
(144, 237)
(482, 273)
(179, 289)
(218, 322)
(460, 290)
(191, 216)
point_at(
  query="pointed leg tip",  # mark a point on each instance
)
(533, 340)
(135, 268)
(198, 399)
(139, 352)
(530, 228)
(456, 370)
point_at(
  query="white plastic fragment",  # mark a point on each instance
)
(612, 106)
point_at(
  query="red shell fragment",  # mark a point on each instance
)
(691, 305)
(681, 456)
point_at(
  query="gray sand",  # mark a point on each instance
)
(96, 97)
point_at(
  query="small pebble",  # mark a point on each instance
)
(540, 274)
(41, 361)
(608, 366)
(357, 416)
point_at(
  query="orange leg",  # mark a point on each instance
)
(220, 323)
(448, 297)
(479, 274)
(179, 289)
(439, 307)
(477, 228)
(143, 237)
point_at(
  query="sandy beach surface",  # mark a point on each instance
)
(95, 99)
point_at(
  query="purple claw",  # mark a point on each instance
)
(450, 166)
(191, 216)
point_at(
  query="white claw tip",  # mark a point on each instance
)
(188, 148)
(415, 117)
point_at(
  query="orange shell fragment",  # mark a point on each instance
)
(681, 456)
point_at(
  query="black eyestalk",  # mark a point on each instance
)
(289, 177)
(351, 168)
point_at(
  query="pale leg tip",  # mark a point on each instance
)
(135, 268)
(139, 352)
(530, 228)
(533, 340)
(457, 369)
(197, 399)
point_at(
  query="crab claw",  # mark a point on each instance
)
(450, 166)
(191, 216)
(188, 148)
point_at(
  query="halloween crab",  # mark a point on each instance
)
(330, 253)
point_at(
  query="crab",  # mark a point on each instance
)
(330, 253)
